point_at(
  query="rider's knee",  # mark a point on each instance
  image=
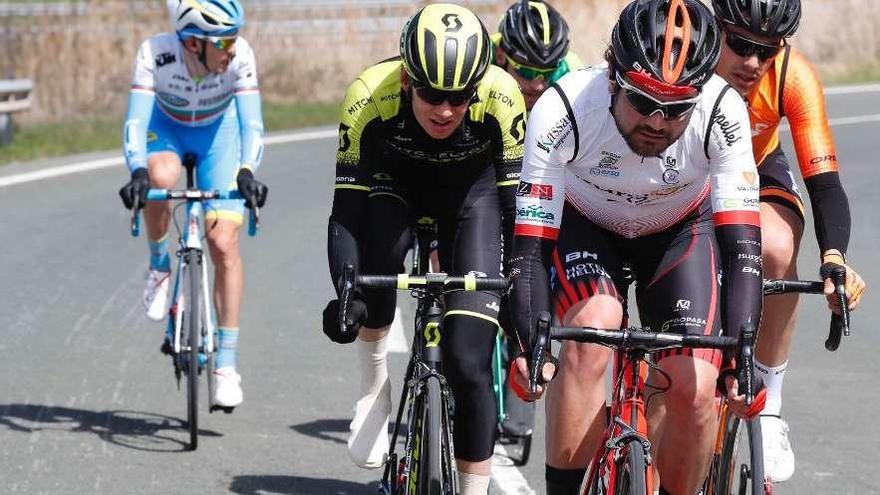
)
(164, 170)
(224, 245)
(779, 254)
(693, 387)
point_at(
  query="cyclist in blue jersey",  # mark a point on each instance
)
(195, 91)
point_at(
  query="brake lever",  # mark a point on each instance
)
(839, 323)
(347, 283)
(746, 357)
(539, 347)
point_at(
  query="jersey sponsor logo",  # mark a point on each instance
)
(730, 130)
(585, 270)
(165, 59)
(578, 255)
(607, 165)
(390, 97)
(556, 135)
(344, 140)
(540, 191)
(518, 128)
(751, 177)
(172, 99)
(535, 213)
(632, 198)
(671, 176)
(751, 271)
(683, 305)
(340, 179)
(452, 22)
(755, 258)
(382, 176)
(204, 102)
(493, 306)
(820, 159)
(359, 104)
(468, 151)
(503, 98)
(683, 321)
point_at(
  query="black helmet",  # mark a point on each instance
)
(670, 44)
(446, 47)
(771, 18)
(534, 33)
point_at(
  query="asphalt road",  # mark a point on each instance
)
(88, 404)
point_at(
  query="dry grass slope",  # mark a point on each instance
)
(82, 66)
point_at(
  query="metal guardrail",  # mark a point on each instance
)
(15, 96)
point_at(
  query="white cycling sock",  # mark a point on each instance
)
(373, 363)
(772, 376)
(473, 484)
(368, 442)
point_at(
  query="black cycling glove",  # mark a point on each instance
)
(134, 194)
(253, 191)
(355, 317)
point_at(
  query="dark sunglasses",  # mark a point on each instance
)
(745, 47)
(433, 96)
(647, 105)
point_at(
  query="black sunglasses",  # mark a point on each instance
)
(646, 105)
(745, 47)
(434, 96)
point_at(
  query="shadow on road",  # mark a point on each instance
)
(132, 429)
(297, 485)
(333, 430)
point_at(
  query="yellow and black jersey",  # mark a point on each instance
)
(378, 133)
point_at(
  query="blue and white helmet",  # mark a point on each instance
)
(205, 17)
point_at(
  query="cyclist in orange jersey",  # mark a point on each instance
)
(777, 81)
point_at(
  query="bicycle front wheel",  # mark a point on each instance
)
(435, 459)
(741, 466)
(631, 471)
(193, 303)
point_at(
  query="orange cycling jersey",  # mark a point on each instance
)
(791, 89)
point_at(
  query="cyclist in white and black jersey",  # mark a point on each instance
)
(195, 91)
(646, 163)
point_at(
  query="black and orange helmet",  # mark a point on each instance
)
(771, 18)
(666, 46)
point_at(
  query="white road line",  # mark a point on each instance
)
(841, 121)
(506, 478)
(851, 89)
(75, 168)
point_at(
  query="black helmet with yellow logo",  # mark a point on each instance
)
(534, 33)
(446, 47)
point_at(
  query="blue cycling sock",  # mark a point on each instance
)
(228, 348)
(159, 259)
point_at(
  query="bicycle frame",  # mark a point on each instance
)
(627, 421)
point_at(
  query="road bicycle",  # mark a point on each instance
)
(622, 464)
(426, 466)
(737, 460)
(190, 337)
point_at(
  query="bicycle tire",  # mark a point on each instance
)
(734, 477)
(193, 334)
(430, 477)
(631, 471)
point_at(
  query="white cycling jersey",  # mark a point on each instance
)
(575, 153)
(160, 68)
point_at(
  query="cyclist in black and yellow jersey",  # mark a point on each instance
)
(532, 45)
(437, 132)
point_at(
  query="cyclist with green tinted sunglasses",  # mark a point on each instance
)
(532, 45)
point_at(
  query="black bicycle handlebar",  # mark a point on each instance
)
(840, 323)
(436, 283)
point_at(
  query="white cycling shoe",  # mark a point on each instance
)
(368, 443)
(156, 294)
(227, 387)
(778, 456)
